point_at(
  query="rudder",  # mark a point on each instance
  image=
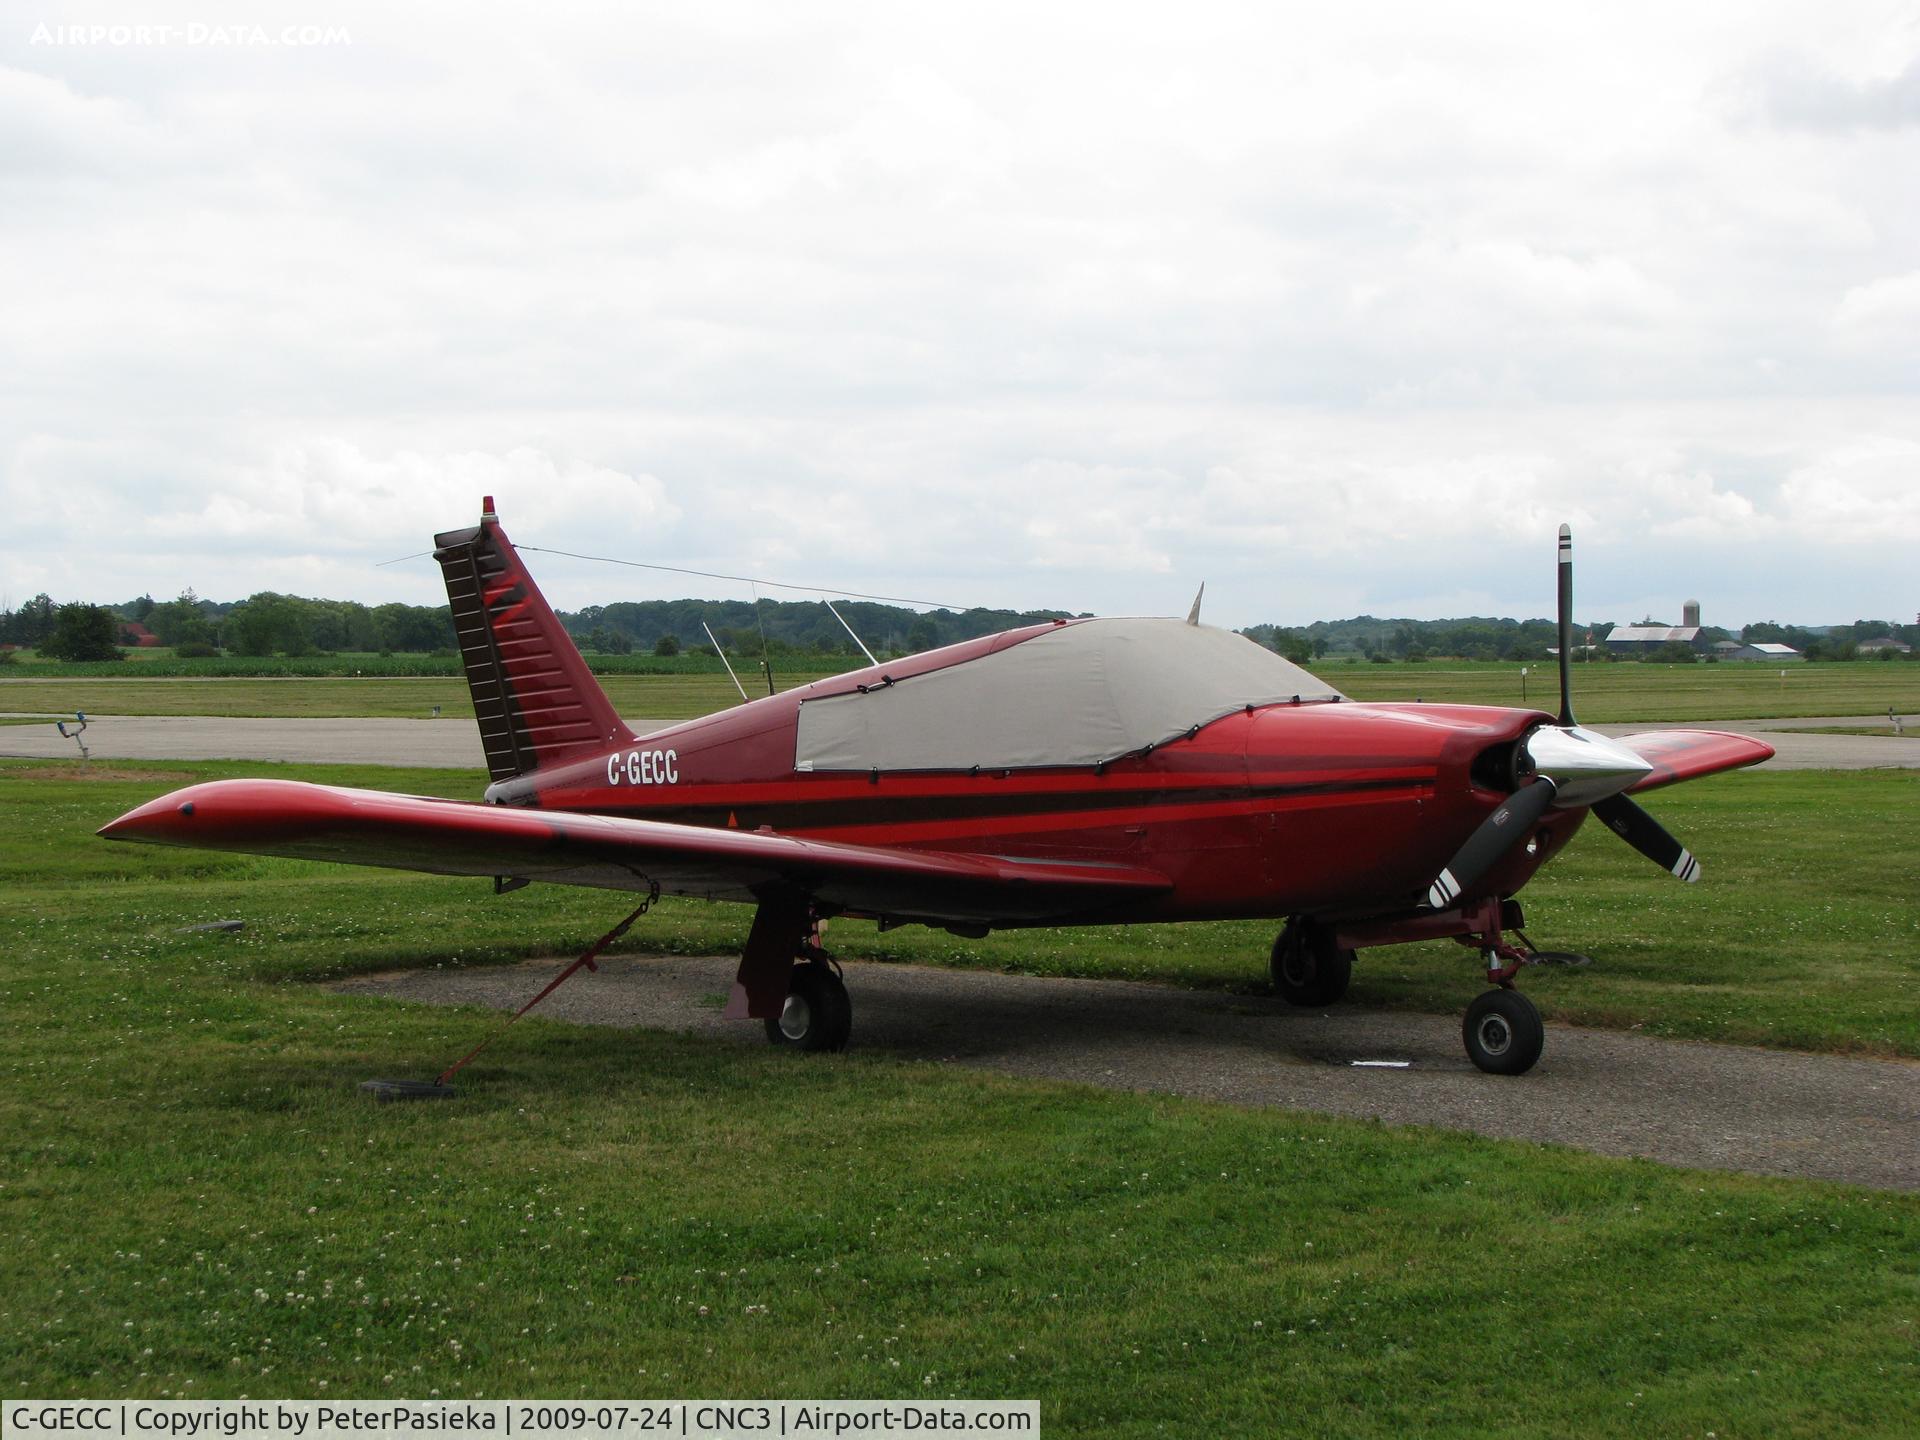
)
(537, 703)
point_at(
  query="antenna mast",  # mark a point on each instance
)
(723, 660)
(856, 639)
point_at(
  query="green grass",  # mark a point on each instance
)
(659, 698)
(1883, 730)
(194, 1201)
(1628, 691)
(161, 663)
(1604, 693)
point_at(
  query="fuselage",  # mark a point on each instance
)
(1322, 807)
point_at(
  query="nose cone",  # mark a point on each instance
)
(1583, 766)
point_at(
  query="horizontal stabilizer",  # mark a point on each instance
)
(1678, 755)
(456, 837)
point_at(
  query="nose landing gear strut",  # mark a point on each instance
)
(1502, 1029)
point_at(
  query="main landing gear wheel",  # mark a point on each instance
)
(1503, 1033)
(818, 1015)
(1307, 967)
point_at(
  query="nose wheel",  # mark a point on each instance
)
(1503, 1032)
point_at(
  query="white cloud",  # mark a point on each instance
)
(1881, 308)
(1071, 307)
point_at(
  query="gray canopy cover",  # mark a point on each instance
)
(1075, 695)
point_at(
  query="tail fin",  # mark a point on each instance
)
(537, 702)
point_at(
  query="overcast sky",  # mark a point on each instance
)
(1025, 305)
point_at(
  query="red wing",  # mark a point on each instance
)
(1678, 755)
(455, 837)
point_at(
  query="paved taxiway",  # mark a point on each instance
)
(455, 743)
(1721, 1107)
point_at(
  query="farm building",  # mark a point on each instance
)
(1646, 637)
(1758, 650)
(1884, 642)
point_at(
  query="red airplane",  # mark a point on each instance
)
(1084, 772)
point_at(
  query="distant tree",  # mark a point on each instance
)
(82, 632)
(1293, 645)
(1318, 645)
(922, 635)
(412, 627)
(32, 623)
(180, 621)
(267, 622)
(667, 645)
(1674, 652)
(604, 641)
(140, 608)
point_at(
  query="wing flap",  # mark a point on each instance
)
(454, 837)
(1678, 755)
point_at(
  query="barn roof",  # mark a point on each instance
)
(1654, 634)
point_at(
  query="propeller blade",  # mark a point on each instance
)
(1644, 833)
(1566, 626)
(1498, 833)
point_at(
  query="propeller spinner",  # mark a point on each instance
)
(1571, 768)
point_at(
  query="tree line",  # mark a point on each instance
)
(789, 627)
(265, 623)
(272, 623)
(1520, 641)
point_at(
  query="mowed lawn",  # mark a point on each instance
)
(660, 698)
(196, 1201)
(1629, 690)
(1603, 693)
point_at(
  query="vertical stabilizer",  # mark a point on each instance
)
(537, 703)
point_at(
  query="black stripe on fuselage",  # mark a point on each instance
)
(791, 814)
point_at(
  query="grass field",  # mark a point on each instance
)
(196, 1202)
(160, 662)
(1633, 691)
(1604, 693)
(1886, 731)
(657, 697)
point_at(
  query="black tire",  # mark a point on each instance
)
(818, 1015)
(1307, 967)
(1503, 1033)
